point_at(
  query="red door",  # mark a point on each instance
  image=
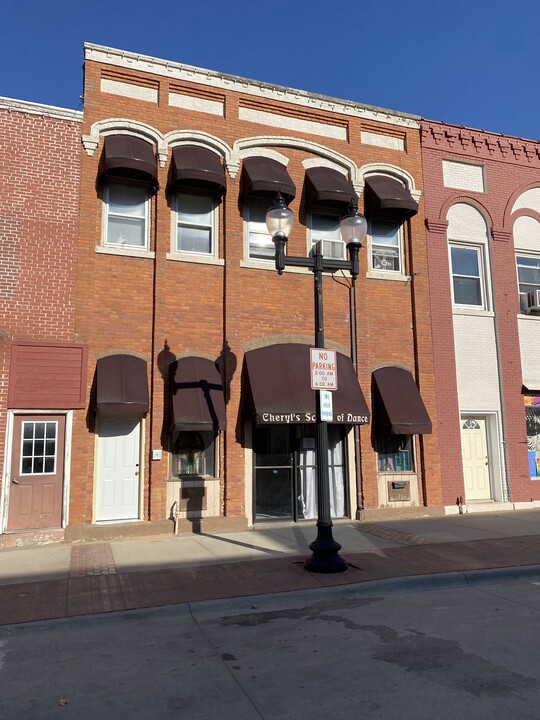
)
(37, 472)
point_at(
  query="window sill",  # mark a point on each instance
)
(374, 275)
(193, 258)
(192, 478)
(527, 318)
(124, 252)
(477, 312)
(258, 264)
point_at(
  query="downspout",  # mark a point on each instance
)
(356, 428)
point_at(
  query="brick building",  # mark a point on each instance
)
(198, 403)
(482, 200)
(42, 375)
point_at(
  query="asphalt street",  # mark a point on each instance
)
(438, 648)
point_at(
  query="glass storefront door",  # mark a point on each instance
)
(285, 472)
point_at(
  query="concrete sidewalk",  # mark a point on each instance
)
(63, 580)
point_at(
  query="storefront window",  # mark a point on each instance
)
(394, 453)
(532, 416)
(193, 452)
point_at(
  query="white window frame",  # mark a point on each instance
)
(480, 254)
(248, 204)
(212, 226)
(399, 232)
(522, 295)
(106, 214)
(312, 241)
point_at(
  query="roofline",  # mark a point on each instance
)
(39, 109)
(190, 73)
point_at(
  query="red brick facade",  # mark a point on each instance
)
(39, 222)
(510, 166)
(161, 309)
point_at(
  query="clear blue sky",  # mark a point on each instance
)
(469, 62)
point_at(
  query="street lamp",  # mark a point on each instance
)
(325, 556)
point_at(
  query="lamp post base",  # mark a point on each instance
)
(325, 557)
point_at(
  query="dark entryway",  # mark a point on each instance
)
(285, 472)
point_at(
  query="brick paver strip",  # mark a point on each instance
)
(91, 559)
(87, 592)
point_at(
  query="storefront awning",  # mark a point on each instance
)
(129, 156)
(264, 177)
(196, 390)
(398, 408)
(280, 387)
(122, 384)
(197, 167)
(326, 187)
(387, 199)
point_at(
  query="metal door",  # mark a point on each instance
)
(37, 472)
(117, 492)
(475, 458)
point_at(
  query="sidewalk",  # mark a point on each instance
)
(56, 581)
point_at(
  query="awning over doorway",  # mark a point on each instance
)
(129, 156)
(398, 408)
(387, 199)
(264, 177)
(280, 387)
(326, 187)
(197, 167)
(122, 384)
(196, 390)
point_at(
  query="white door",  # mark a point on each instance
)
(475, 458)
(117, 492)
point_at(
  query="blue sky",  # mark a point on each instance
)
(469, 62)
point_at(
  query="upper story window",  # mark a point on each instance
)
(328, 193)
(528, 269)
(262, 178)
(325, 227)
(386, 250)
(388, 204)
(126, 210)
(129, 171)
(260, 243)
(467, 275)
(196, 183)
(195, 224)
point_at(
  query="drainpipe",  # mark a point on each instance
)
(356, 428)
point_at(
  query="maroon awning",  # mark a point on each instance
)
(197, 167)
(122, 384)
(326, 187)
(387, 199)
(264, 177)
(398, 408)
(129, 156)
(196, 391)
(280, 387)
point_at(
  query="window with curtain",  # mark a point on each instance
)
(126, 215)
(195, 224)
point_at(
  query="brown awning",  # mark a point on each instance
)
(264, 177)
(326, 187)
(280, 387)
(197, 167)
(387, 199)
(122, 384)
(129, 156)
(196, 390)
(398, 408)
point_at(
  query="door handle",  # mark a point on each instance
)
(15, 481)
(136, 472)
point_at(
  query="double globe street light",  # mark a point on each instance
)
(325, 556)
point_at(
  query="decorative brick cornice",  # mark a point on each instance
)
(478, 144)
(38, 109)
(222, 81)
(436, 227)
